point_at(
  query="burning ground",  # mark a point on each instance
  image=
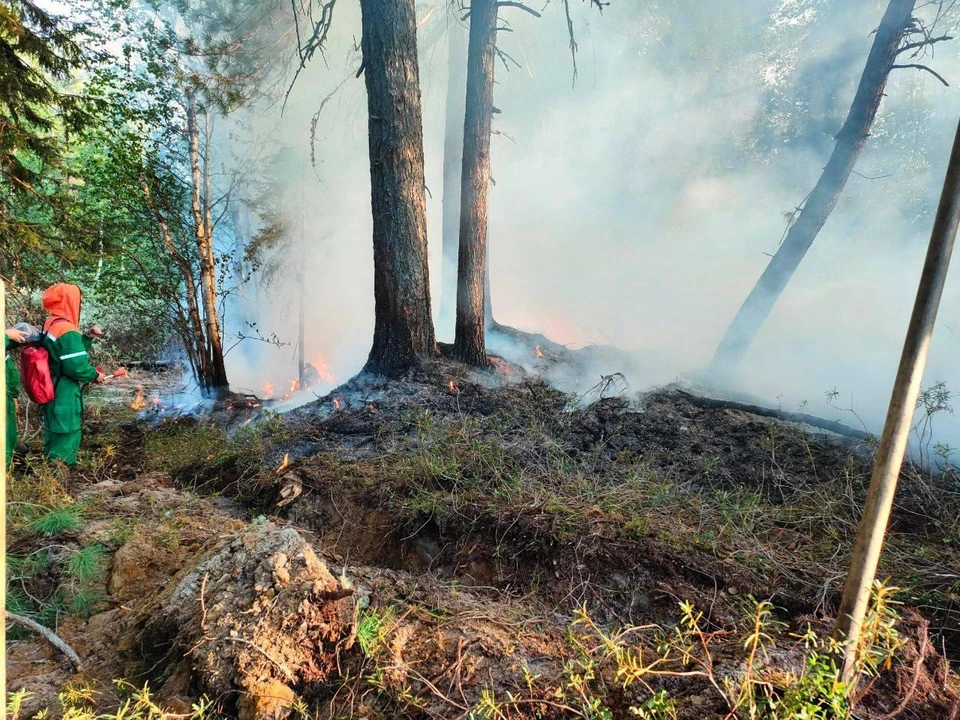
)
(460, 543)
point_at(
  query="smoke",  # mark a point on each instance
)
(638, 207)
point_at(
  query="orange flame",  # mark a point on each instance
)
(323, 369)
(453, 386)
(539, 352)
(501, 365)
(294, 387)
(268, 391)
(337, 404)
(285, 464)
(138, 403)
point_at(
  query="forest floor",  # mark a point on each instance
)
(460, 543)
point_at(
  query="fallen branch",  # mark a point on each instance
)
(48, 635)
(802, 418)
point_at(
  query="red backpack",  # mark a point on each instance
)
(35, 371)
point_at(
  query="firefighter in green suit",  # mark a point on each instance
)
(12, 337)
(70, 369)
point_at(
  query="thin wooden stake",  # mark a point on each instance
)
(896, 429)
(3, 515)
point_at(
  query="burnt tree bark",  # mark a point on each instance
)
(469, 342)
(403, 327)
(850, 140)
(215, 377)
(452, 164)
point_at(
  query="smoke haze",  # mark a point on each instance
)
(638, 207)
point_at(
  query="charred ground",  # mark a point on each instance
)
(493, 533)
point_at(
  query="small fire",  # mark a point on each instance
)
(501, 365)
(247, 422)
(371, 406)
(138, 402)
(337, 404)
(268, 391)
(539, 352)
(453, 386)
(323, 369)
(285, 464)
(294, 387)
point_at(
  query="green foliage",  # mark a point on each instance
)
(56, 521)
(372, 628)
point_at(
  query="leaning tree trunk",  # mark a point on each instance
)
(403, 328)
(469, 343)
(216, 376)
(452, 164)
(849, 143)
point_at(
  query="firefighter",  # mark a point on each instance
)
(70, 369)
(13, 336)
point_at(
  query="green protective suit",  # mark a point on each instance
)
(13, 392)
(63, 418)
(70, 369)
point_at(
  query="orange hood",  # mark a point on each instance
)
(62, 301)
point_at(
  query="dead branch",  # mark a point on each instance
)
(918, 66)
(923, 43)
(315, 43)
(506, 59)
(802, 418)
(519, 5)
(573, 39)
(48, 635)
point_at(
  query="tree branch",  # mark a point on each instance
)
(923, 43)
(918, 66)
(48, 635)
(519, 5)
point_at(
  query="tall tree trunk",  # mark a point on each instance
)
(403, 327)
(452, 164)
(821, 201)
(469, 343)
(489, 322)
(302, 310)
(216, 376)
(194, 342)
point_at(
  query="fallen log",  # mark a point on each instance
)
(833, 426)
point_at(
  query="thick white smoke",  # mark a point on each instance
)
(639, 207)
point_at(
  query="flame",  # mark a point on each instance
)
(453, 386)
(337, 404)
(285, 464)
(501, 365)
(371, 406)
(138, 403)
(294, 387)
(247, 422)
(268, 391)
(539, 352)
(323, 369)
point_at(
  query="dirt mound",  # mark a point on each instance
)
(257, 617)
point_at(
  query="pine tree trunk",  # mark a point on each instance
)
(469, 343)
(849, 143)
(403, 327)
(452, 164)
(216, 375)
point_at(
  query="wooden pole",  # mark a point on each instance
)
(896, 429)
(3, 515)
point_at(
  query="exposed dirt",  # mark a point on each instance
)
(430, 539)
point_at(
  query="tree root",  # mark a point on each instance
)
(48, 635)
